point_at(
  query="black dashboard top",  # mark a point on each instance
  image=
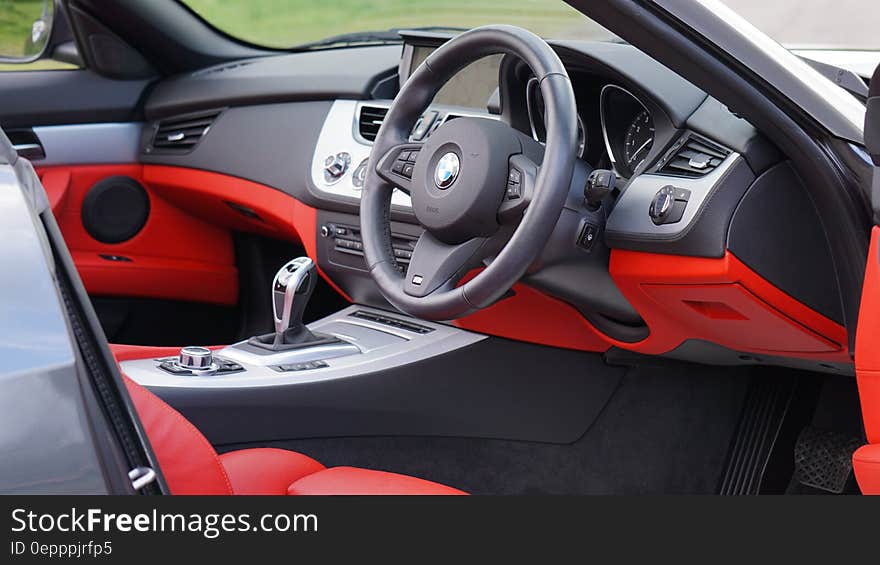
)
(314, 75)
(330, 74)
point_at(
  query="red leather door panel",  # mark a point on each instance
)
(173, 251)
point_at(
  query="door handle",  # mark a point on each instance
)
(26, 144)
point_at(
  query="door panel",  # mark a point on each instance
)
(175, 256)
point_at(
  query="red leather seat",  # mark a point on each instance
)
(192, 466)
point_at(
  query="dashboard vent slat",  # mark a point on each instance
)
(696, 157)
(181, 135)
(370, 120)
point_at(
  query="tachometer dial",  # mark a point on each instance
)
(639, 139)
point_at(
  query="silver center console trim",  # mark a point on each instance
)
(267, 358)
(398, 347)
(630, 215)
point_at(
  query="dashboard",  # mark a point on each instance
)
(699, 194)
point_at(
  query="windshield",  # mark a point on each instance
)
(284, 24)
(822, 24)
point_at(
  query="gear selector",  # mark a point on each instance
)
(292, 287)
(291, 290)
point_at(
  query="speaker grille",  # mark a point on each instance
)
(115, 209)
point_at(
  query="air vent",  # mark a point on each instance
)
(696, 157)
(370, 120)
(180, 135)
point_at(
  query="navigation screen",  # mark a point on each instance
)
(471, 87)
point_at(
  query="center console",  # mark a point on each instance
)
(369, 371)
(369, 340)
(356, 340)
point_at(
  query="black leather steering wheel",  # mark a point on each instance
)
(479, 187)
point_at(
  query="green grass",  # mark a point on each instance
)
(16, 19)
(40, 65)
(284, 23)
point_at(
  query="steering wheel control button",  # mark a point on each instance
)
(447, 170)
(599, 184)
(335, 166)
(668, 205)
(417, 280)
(404, 163)
(514, 184)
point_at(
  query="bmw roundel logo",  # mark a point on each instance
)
(446, 171)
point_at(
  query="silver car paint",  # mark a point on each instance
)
(45, 439)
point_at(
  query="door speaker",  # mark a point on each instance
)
(115, 209)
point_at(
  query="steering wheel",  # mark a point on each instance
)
(479, 187)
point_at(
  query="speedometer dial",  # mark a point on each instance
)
(639, 139)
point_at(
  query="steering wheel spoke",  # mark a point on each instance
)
(436, 265)
(520, 190)
(397, 164)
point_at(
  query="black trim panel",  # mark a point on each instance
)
(777, 232)
(706, 236)
(36, 98)
(315, 75)
(270, 144)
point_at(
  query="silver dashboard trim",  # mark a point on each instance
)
(339, 134)
(81, 144)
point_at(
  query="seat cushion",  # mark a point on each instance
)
(266, 470)
(354, 481)
(866, 464)
(191, 465)
(187, 460)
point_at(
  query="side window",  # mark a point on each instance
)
(26, 37)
